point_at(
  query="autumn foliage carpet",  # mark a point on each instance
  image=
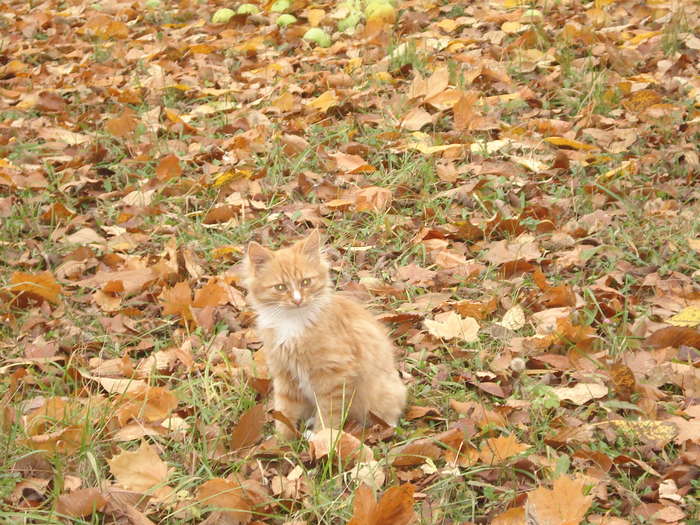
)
(513, 187)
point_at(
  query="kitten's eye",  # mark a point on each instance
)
(305, 282)
(280, 287)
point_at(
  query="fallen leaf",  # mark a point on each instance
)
(373, 198)
(563, 504)
(248, 430)
(453, 326)
(168, 167)
(80, 503)
(37, 286)
(139, 470)
(227, 496)
(415, 453)
(688, 317)
(325, 101)
(581, 393)
(395, 507)
(416, 119)
(674, 336)
(348, 448)
(497, 450)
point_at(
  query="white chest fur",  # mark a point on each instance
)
(289, 324)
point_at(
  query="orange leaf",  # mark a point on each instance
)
(249, 427)
(373, 198)
(168, 167)
(394, 508)
(497, 450)
(140, 469)
(228, 495)
(464, 112)
(122, 125)
(211, 294)
(674, 336)
(564, 504)
(177, 300)
(80, 503)
(415, 453)
(37, 286)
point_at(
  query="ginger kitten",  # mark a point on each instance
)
(327, 355)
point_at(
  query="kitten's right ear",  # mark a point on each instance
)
(257, 255)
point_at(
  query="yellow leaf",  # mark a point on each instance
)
(315, 16)
(41, 285)
(629, 167)
(568, 143)
(324, 101)
(689, 316)
(512, 27)
(453, 326)
(139, 470)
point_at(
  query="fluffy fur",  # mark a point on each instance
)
(328, 356)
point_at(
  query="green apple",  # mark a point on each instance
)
(280, 6)
(383, 11)
(350, 21)
(222, 16)
(285, 20)
(247, 9)
(318, 36)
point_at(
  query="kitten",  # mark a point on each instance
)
(327, 355)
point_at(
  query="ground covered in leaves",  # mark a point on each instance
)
(512, 185)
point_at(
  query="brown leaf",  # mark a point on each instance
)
(452, 325)
(248, 430)
(227, 495)
(343, 445)
(497, 450)
(220, 214)
(514, 516)
(80, 503)
(123, 125)
(623, 380)
(674, 336)
(177, 301)
(416, 412)
(36, 286)
(464, 110)
(373, 198)
(147, 404)
(415, 453)
(168, 168)
(351, 163)
(416, 119)
(394, 508)
(211, 294)
(139, 470)
(363, 506)
(562, 505)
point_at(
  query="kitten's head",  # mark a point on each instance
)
(292, 277)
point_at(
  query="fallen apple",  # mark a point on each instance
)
(318, 36)
(285, 20)
(222, 16)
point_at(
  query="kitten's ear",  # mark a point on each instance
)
(311, 246)
(257, 255)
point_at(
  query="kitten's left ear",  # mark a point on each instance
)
(311, 246)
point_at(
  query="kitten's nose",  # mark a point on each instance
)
(296, 297)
